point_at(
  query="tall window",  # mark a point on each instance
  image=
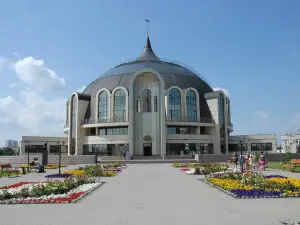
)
(221, 111)
(103, 106)
(155, 103)
(174, 104)
(191, 106)
(74, 116)
(119, 105)
(73, 123)
(222, 121)
(146, 100)
(138, 104)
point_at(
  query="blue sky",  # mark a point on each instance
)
(250, 48)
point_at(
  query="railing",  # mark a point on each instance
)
(66, 125)
(189, 119)
(230, 125)
(104, 120)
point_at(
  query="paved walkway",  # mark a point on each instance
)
(155, 194)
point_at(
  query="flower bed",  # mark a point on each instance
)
(255, 185)
(95, 171)
(65, 175)
(67, 191)
(201, 169)
(109, 173)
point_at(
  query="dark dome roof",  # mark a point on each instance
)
(173, 74)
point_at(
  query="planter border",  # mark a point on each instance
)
(78, 200)
(237, 197)
(75, 201)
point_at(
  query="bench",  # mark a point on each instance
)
(7, 168)
(294, 163)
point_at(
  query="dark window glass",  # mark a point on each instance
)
(191, 106)
(103, 106)
(155, 103)
(146, 100)
(174, 104)
(120, 105)
(261, 147)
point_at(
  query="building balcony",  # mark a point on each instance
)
(187, 119)
(66, 125)
(104, 122)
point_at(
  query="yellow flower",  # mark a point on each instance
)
(76, 173)
(229, 184)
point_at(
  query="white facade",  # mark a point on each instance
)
(290, 143)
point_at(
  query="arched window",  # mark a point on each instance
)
(146, 100)
(191, 106)
(120, 105)
(155, 103)
(174, 104)
(103, 106)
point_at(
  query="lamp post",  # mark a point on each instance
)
(27, 158)
(59, 161)
(241, 140)
(58, 147)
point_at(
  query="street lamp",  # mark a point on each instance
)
(241, 140)
(59, 161)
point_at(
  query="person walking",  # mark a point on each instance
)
(262, 161)
(250, 162)
(235, 159)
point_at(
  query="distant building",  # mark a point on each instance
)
(290, 143)
(11, 144)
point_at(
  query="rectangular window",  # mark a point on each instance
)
(261, 147)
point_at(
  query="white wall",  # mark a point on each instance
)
(40, 140)
(257, 138)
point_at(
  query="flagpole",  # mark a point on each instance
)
(147, 21)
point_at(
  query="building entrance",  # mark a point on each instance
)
(147, 149)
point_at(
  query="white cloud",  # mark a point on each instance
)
(35, 114)
(226, 92)
(81, 89)
(28, 112)
(263, 115)
(34, 73)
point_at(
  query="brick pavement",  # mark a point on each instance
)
(154, 194)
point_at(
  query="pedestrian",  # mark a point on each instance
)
(262, 161)
(250, 162)
(235, 159)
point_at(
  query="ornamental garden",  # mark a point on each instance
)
(69, 187)
(250, 184)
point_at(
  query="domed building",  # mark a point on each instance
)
(151, 107)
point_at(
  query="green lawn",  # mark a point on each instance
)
(12, 174)
(276, 165)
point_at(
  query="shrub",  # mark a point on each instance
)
(289, 156)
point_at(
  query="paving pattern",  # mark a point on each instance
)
(153, 194)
